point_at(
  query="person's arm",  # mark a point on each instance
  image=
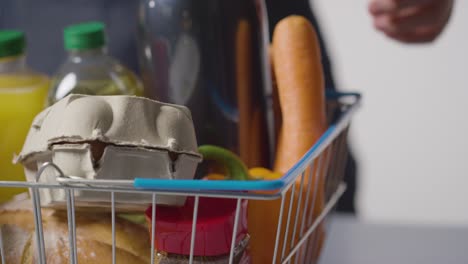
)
(411, 21)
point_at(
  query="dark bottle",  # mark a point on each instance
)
(212, 56)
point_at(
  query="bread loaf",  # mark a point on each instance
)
(93, 237)
(299, 76)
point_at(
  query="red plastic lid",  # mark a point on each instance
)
(215, 223)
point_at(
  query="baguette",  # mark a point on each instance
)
(300, 80)
(253, 145)
(299, 77)
(276, 105)
(244, 88)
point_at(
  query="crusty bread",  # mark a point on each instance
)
(299, 76)
(301, 89)
(93, 237)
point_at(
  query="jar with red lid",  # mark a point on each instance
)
(213, 237)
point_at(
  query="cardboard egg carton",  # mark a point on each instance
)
(111, 138)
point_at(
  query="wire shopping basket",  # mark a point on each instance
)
(298, 231)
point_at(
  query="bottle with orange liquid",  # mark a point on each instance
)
(22, 96)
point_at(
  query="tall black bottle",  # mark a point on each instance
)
(212, 56)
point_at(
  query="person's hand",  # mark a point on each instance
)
(411, 21)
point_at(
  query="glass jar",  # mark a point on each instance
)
(214, 230)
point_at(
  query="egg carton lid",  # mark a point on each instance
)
(118, 120)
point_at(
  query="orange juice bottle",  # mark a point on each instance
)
(22, 96)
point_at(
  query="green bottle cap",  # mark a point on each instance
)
(12, 43)
(84, 36)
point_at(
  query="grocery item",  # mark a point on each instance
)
(299, 77)
(111, 138)
(252, 131)
(264, 232)
(22, 95)
(214, 231)
(257, 173)
(211, 56)
(215, 220)
(300, 80)
(275, 99)
(89, 69)
(235, 168)
(93, 237)
(264, 174)
(243, 88)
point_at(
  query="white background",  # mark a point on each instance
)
(411, 134)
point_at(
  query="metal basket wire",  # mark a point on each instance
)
(296, 237)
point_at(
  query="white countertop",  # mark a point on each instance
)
(354, 242)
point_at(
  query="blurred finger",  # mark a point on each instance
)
(420, 35)
(409, 19)
(377, 7)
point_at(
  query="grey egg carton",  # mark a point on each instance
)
(133, 136)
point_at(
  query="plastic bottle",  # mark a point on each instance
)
(89, 69)
(22, 95)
